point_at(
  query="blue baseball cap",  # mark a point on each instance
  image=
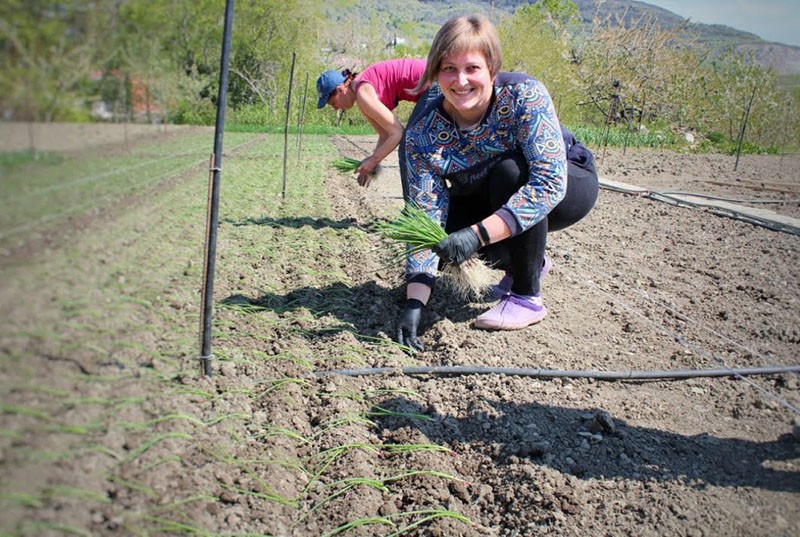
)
(326, 84)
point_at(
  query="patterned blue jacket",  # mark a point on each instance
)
(521, 118)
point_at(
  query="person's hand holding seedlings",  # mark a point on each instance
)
(458, 246)
(366, 171)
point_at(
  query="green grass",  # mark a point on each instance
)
(36, 196)
(594, 137)
(12, 160)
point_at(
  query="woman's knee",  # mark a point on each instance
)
(582, 191)
(507, 176)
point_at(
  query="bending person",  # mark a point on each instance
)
(377, 91)
(488, 160)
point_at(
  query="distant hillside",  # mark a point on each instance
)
(785, 59)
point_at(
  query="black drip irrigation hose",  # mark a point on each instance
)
(556, 373)
(719, 211)
(731, 200)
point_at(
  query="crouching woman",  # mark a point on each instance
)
(488, 160)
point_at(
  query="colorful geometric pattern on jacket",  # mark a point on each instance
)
(522, 119)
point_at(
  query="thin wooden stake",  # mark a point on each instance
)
(744, 126)
(301, 119)
(286, 125)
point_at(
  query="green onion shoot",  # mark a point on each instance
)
(419, 232)
(349, 165)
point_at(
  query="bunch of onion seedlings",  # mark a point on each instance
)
(349, 165)
(419, 232)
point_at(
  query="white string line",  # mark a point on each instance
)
(679, 338)
(89, 178)
(98, 201)
(771, 360)
(95, 202)
(81, 180)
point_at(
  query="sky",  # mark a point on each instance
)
(773, 20)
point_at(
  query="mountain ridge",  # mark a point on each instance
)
(783, 58)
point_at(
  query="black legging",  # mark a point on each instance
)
(522, 255)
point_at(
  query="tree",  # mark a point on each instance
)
(266, 33)
(744, 97)
(537, 40)
(49, 50)
(637, 72)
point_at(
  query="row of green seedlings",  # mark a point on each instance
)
(145, 446)
(318, 463)
(171, 519)
(314, 466)
(368, 347)
(336, 297)
(52, 425)
(112, 406)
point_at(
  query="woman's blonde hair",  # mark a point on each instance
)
(474, 33)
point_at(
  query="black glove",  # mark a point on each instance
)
(407, 324)
(458, 246)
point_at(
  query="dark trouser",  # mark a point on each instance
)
(401, 160)
(522, 256)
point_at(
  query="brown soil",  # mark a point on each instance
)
(639, 285)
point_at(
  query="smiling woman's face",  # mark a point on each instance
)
(466, 83)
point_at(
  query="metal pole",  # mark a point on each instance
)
(213, 196)
(301, 119)
(744, 126)
(286, 125)
(613, 106)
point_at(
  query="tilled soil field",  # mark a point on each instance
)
(638, 285)
(288, 445)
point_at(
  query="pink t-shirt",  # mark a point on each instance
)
(392, 80)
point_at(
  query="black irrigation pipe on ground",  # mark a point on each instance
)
(557, 373)
(719, 211)
(731, 200)
(730, 213)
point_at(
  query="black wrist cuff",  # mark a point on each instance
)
(423, 278)
(414, 304)
(484, 234)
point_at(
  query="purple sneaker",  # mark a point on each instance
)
(512, 313)
(504, 286)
